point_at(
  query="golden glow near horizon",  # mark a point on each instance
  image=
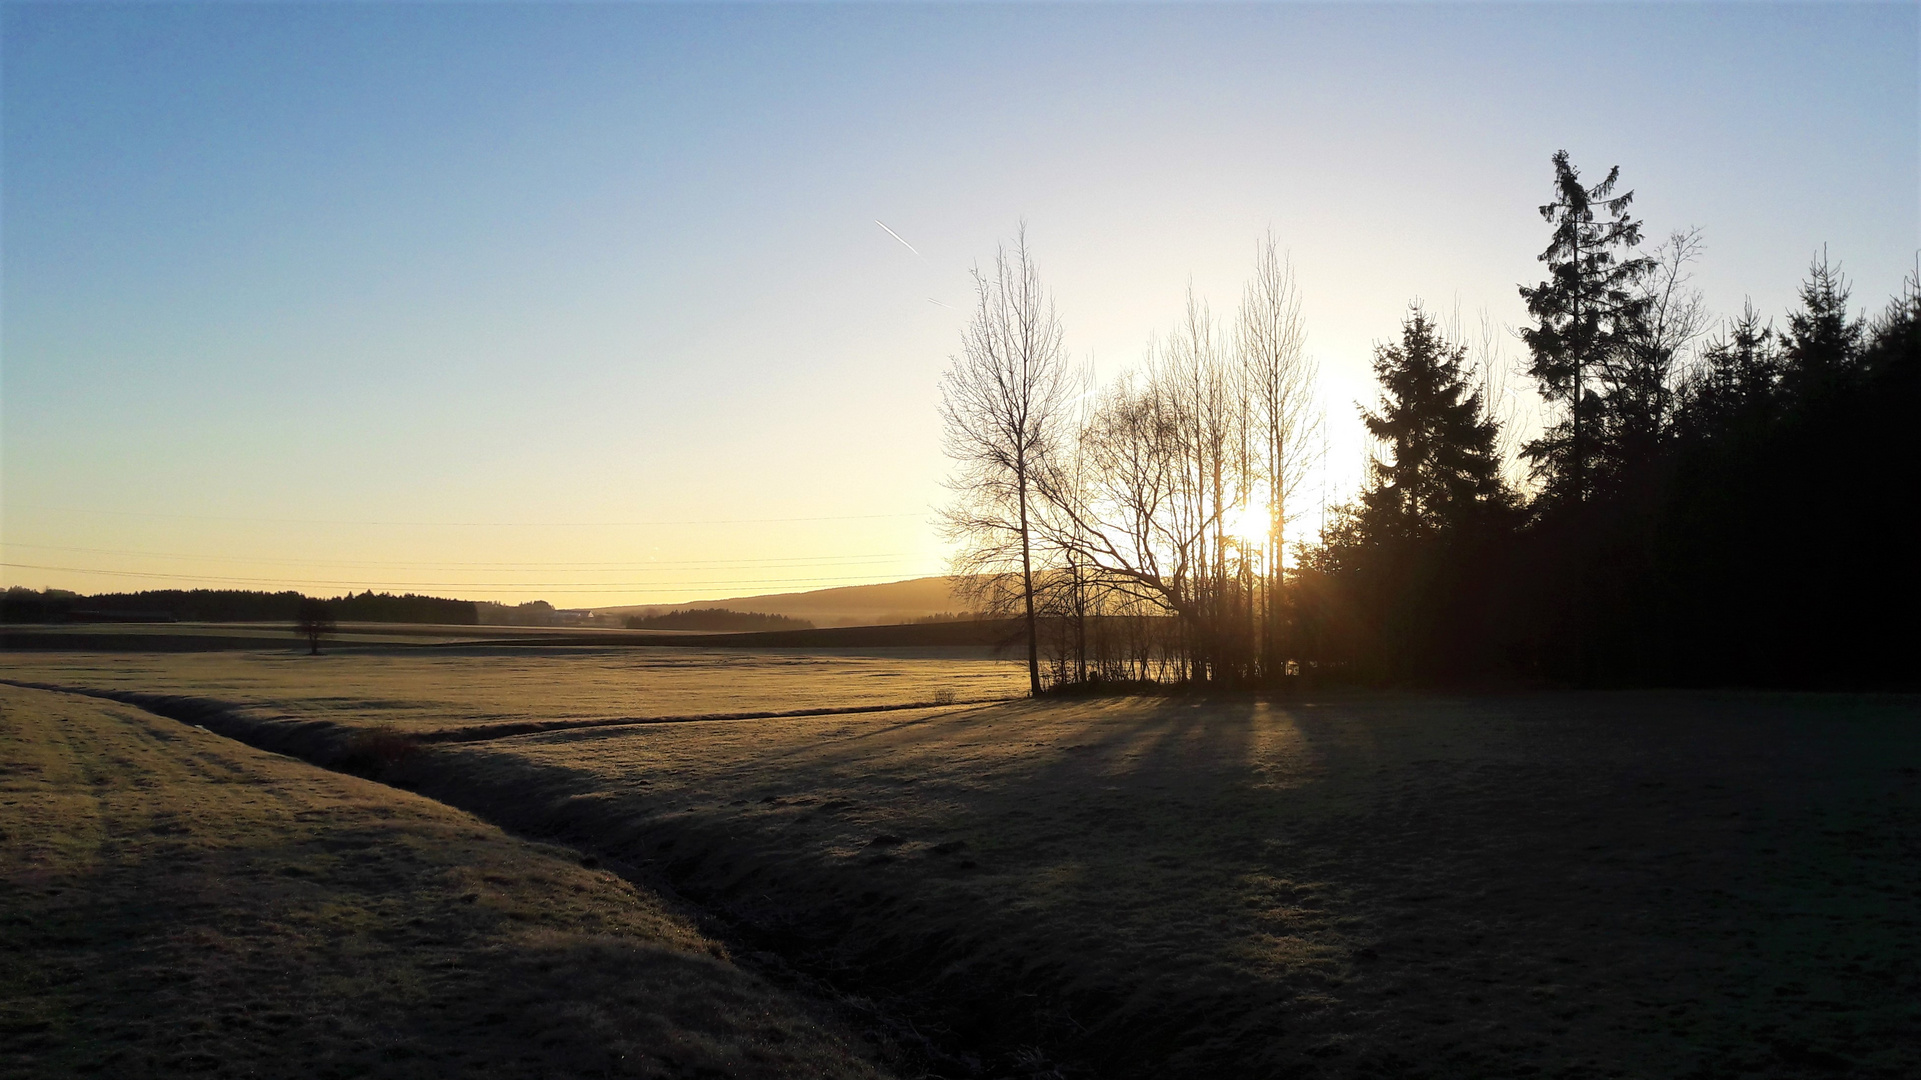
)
(627, 304)
(576, 564)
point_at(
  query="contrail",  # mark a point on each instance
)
(931, 300)
(896, 236)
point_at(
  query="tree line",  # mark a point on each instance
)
(1705, 504)
(717, 620)
(19, 605)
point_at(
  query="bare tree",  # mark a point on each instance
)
(1641, 373)
(1105, 519)
(1506, 401)
(1280, 379)
(1201, 394)
(1004, 402)
(313, 620)
(1145, 512)
(1158, 465)
(1130, 519)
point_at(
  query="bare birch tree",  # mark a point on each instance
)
(1123, 526)
(1280, 381)
(1159, 464)
(1004, 401)
(1130, 519)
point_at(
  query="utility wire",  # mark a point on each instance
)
(476, 524)
(559, 586)
(791, 562)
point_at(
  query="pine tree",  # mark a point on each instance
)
(1582, 312)
(1442, 466)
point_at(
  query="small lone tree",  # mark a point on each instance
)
(312, 620)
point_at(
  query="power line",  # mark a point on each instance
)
(792, 561)
(475, 524)
(556, 586)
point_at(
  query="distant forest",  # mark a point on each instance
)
(20, 605)
(719, 620)
(1709, 502)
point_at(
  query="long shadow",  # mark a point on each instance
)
(1458, 886)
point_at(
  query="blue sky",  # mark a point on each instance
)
(468, 297)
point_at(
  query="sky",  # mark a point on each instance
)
(592, 303)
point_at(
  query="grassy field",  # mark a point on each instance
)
(1655, 884)
(176, 902)
(1641, 885)
(423, 692)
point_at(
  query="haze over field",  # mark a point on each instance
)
(633, 305)
(847, 605)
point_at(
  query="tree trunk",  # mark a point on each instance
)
(1580, 459)
(1027, 593)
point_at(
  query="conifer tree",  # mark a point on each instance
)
(1582, 311)
(1821, 343)
(1442, 465)
(1736, 381)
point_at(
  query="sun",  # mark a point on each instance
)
(1247, 524)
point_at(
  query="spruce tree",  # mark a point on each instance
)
(1822, 344)
(1735, 385)
(1584, 310)
(1442, 466)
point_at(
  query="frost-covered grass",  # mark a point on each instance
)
(179, 903)
(1346, 885)
(1555, 884)
(420, 690)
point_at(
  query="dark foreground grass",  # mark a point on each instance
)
(178, 903)
(1576, 885)
(1672, 885)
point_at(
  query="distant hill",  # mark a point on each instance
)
(848, 605)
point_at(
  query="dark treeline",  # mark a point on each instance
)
(718, 620)
(19, 605)
(1712, 509)
(1704, 505)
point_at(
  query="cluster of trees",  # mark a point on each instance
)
(1703, 505)
(527, 613)
(1137, 528)
(717, 620)
(226, 605)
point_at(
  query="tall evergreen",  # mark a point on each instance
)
(1442, 465)
(1584, 310)
(1402, 578)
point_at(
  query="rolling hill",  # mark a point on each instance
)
(848, 605)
